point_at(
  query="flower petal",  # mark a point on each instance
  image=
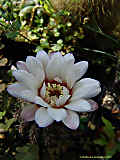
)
(68, 72)
(27, 78)
(63, 68)
(15, 89)
(13, 68)
(36, 68)
(69, 58)
(28, 95)
(69, 78)
(40, 101)
(80, 105)
(22, 66)
(65, 91)
(43, 90)
(62, 100)
(72, 120)
(54, 66)
(28, 112)
(93, 104)
(57, 79)
(80, 69)
(86, 88)
(43, 58)
(42, 117)
(20, 91)
(54, 54)
(57, 114)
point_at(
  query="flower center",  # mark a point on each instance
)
(54, 90)
(56, 94)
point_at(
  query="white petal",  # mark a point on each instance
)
(54, 54)
(69, 58)
(93, 104)
(80, 69)
(22, 66)
(58, 79)
(43, 90)
(57, 114)
(20, 91)
(67, 74)
(62, 68)
(72, 120)
(86, 88)
(54, 66)
(68, 70)
(27, 78)
(40, 101)
(15, 89)
(42, 118)
(62, 100)
(87, 82)
(43, 57)
(70, 78)
(28, 112)
(80, 105)
(28, 96)
(65, 91)
(13, 68)
(36, 68)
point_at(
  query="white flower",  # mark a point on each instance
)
(52, 84)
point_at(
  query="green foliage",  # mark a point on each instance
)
(39, 21)
(83, 121)
(8, 123)
(108, 129)
(102, 141)
(2, 114)
(9, 21)
(27, 152)
(108, 139)
(12, 35)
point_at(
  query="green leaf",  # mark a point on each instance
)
(2, 126)
(118, 147)
(9, 122)
(12, 34)
(44, 44)
(84, 120)
(2, 114)
(98, 51)
(109, 151)
(48, 7)
(25, 11)
(101, 142)
(91, 28)
(28, 152)
(16, 25)
(38, 48)
(108, 128)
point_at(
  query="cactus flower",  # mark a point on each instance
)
(53, 86)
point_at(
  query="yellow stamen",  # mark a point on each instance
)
(49, 85)
(53, 93)
(54, 85)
